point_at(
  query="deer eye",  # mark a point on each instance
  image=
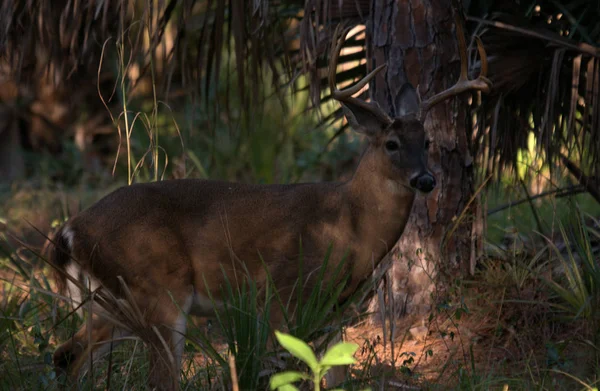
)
(427, 143)
(391, 145)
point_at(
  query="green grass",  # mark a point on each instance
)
(521, 219)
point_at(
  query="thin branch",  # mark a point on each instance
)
(546, 36)
(538, 221)
(585, 180)
(561, 192)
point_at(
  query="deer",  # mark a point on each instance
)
(169, 246)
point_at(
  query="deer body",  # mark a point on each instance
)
(219, 225)
(173, 243)
(206, 227)
(192, 231)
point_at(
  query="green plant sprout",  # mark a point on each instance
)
(339, 354)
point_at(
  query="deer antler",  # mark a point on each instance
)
(345, 96)
(482, 83)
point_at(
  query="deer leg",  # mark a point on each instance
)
(335, 375)
(164, 334)
(165, 361)
(166, 340)
(93, 340)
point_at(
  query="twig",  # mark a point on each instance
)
(533, 211)
(234, 378)
(544, 35)
(585, 180)
(563, 192)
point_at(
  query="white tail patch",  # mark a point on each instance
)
(73, 290)
(76, 294)
(74, 270)
(69, 235)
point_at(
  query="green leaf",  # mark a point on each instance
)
(288, 387)
(340, 354)
(284, 378)
(341, 389)
(298, 349)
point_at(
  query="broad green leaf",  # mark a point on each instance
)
(298, 349)
(284, 378)
(340, 354)
(288, 387)
(341, 389)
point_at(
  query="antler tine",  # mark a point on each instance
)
(344, 95)
(462, 49)
(484, 61)
(482, 83)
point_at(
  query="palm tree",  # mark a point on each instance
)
(543, 59)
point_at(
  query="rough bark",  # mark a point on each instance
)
(416, 38)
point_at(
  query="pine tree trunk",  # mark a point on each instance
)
(416, 38)
(12, 163)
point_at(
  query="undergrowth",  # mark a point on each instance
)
(524, 321)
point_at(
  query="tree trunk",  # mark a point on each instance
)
(416, 38)
(12, 163)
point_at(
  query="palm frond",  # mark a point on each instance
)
(316, 30)
(192, 40)
(543, 63)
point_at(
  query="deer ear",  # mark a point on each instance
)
(407, 101)
(366, 118)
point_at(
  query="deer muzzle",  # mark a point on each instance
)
(424, 182)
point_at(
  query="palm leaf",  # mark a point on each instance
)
(67, 38)
(544, 68)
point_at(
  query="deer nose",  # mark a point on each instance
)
(424, 182)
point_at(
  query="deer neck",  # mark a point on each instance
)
(385, 203)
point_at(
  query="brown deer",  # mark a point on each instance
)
(169, 246)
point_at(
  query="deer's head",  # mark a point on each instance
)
(400, 143)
